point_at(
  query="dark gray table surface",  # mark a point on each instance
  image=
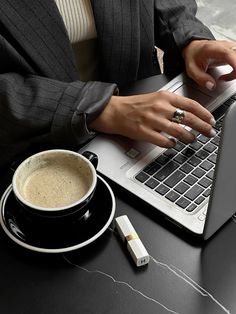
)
(184, 274)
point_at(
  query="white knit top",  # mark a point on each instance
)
(79, 22)
(78, 18)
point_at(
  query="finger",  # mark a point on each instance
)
(156, 138)
(172, 128)
(222, 53)
(193, 107)
(177, 131)
(184, 103)
(201, 77)
(198, 124)
(228, 77)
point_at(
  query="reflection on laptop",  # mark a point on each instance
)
(191, 184)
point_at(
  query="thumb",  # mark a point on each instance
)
(202, 78)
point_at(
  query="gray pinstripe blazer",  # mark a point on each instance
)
(42, 99)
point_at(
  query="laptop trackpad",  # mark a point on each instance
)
(186, 90)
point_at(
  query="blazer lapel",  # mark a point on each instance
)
(40, 34)
(118, 28)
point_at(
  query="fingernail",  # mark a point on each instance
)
(212, 133)
(213, 121)
(173, 140)
(209, 85)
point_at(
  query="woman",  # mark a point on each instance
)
(62, 62)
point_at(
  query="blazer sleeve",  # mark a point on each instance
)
(176, 25)
(37, 109)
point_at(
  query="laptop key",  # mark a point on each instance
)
(229, 101)
(190, 179)
(172, 196)
(207, 193)
(183, 202)
(216, 140)
(219, 111)
(182, 187)
(194, 161)
(218, 125)
(188, 152)
(202, 154)
(212, 158)
(152, 168)
(203, 139)
(170, 153)
(174, 178)
(194, 192)
(205, 182)
(162, 189)
(198, 172)
(142, 177)
(180, 158)
(199, 200)
(179, 146)
(191, 208)
(186, 168)
(152, 183)
(195, 133)
(209, 147)
(162, 159)
(196, 145)
(166, 171)
(206, 165)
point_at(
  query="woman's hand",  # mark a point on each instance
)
(145, 117)
(199, 55)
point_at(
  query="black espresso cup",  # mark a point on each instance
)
(56, 184)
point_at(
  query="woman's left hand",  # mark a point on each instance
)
(200, 55)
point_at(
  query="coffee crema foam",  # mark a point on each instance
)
(56, 185)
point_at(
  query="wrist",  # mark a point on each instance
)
(192, 46)
(105, 121)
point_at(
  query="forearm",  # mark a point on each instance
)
(178, 22)
(175, 26)
(34, 107)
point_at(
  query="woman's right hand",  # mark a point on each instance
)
(144, 117)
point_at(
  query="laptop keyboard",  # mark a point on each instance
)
(183, 174)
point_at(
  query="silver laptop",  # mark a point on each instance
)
(192, 185)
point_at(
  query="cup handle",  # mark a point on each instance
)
(91, 157)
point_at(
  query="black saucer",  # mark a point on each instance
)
(71, 236)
